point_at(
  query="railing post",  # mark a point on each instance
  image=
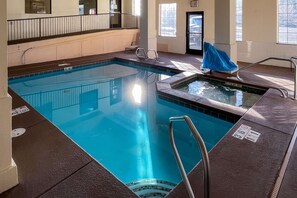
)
(39, 27)
(81, 27)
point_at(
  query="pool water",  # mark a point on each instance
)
(113, 113)
(225, 92)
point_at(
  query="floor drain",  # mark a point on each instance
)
(17, 132)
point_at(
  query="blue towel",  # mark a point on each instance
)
(217, 60)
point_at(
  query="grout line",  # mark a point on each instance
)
(65, 178)
(284, 166)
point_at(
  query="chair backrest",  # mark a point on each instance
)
(136, 40)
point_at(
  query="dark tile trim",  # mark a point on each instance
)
(233, 118)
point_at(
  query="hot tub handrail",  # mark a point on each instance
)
(203, 150)
(283, 91)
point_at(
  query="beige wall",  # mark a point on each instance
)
(103, 6)
(8, 170)
(260, 22)
(127, 6)
(3, 56)
(16, 8)
(178, 43)
(260, 33)
(259, 30)
(71, 47)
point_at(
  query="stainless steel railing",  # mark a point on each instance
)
(283, 91)
(205, 159)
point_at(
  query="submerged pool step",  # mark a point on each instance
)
(147, 188)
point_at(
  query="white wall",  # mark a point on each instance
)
(260, 33)
(8, 170)
(178, 43)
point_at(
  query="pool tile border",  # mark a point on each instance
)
(165, 89)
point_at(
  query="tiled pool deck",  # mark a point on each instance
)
(51, 165)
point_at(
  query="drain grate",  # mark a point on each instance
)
(151, 188)
(17, 132)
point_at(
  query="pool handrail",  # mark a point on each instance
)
(283, 91)
(142, 54)
(204, 154)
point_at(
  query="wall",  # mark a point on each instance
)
(259, 30)
(16, 8)
(103, 6)
(178, 43)
(260, 33)
(8, 170)
(71, 47)
(127, 8)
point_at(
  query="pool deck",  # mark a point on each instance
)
(51, 165)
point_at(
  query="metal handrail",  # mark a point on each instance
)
(142, 54)
(23, 55)
(292, 59)
(155, 53)
(283, 91)
(203, 150)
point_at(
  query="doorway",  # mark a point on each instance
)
(116, 15)
(194, 33)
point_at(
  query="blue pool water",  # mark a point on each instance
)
(113, 113)
(223, 91)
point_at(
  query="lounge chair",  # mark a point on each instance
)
(134, 45)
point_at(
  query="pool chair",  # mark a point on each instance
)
(133, 47)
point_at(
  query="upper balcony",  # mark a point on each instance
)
(33, 29)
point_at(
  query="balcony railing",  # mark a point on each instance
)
(22, 30)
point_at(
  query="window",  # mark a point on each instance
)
(87, 7)
(38, 6)
(136, 7)
(287, 21)
(168, 19)
(239, 20)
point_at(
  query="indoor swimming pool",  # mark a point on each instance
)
(111, 111)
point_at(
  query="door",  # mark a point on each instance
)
(194, 33)
(115, 16)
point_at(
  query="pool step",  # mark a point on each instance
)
(147, 188)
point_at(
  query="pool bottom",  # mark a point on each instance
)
(151, 187)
